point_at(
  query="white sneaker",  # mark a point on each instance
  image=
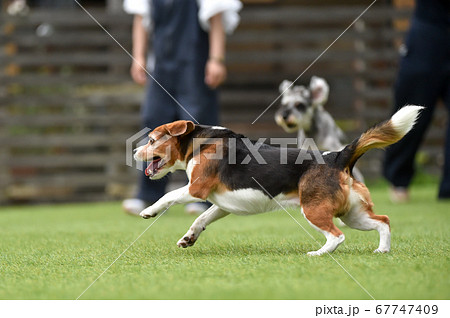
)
(399, 194)
(134, 206)
(195, 208)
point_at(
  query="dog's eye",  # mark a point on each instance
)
(152, 141)
(300, 106)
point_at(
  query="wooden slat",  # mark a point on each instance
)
(55, 79)
(65, 140)
(68, 120)
(288, 36)
(307, 55)
(95, 38)
(94, 59)
(296, 14)
(376, 93)
(65, 160)
(68, 18)
(94, 101)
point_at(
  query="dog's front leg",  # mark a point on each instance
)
(301, 137)
(212, 214)
(178, 196)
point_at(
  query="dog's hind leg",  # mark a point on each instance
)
(322, 220)
(361, 217)
(366, 220)
(323, 192)
(212, 214)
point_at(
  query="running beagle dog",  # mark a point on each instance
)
(322, 186)
(302, 111)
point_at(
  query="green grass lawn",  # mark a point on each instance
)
(57, 251)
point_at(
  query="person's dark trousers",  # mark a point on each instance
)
(159, 109)
(444, 189)
(181, 50)
(423, 78)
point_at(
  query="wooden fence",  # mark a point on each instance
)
(68, 105)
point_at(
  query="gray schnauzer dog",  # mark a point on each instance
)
(302, 110)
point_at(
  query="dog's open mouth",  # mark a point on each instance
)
(291, 125)
(155, 164)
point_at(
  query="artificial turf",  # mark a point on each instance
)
(57, 251)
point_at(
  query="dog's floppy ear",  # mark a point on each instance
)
(319, 90)
(180, 127)
(284, 85)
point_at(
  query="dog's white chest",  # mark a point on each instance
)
(249, 201)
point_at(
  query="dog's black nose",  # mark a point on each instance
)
(285, 114)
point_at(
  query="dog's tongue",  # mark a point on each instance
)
(152, 167)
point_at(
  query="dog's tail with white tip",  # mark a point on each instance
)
(380, 136)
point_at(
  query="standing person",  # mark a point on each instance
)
(423, 79)
(188, 38)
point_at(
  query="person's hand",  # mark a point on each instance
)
(138, 72)
(215, 73)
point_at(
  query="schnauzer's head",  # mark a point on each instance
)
(298, 103)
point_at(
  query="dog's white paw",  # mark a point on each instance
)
(148, 213)
(381, 250)
(315, 253)
(187, 240)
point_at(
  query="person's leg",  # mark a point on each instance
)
(197, 98)
(418, 83)
(399, 157)
(158, 109)
(444, 189)
(201, 106)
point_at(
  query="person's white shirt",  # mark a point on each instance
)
(207, 9)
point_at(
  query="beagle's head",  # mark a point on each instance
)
(298, 103)
(163, 152)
